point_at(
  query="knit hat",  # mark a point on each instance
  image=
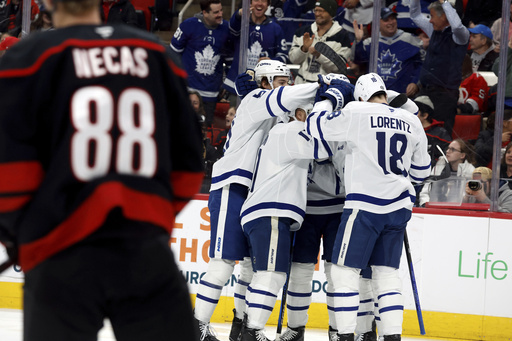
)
(331, 6)
(425, 104)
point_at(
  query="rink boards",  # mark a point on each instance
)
(462, 262)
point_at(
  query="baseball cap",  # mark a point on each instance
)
(7, 42)
(481, 29)
(330, 6)
(386, 12)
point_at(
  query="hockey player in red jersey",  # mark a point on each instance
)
(100, 151)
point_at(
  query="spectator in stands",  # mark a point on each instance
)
(6, 44)
(496, 31)
(118, 11)
(506, 163)
(266, 41)
(436, 134)
(441, 74)
(482, 192)
(359, 10)
(508, 75)
(324, 29)
(400, 54)
(197, 104)
(402, 8)
(220, 140)
(459, 162)
(473, 91)
(473, 12)
(203, 42)
(11, 13)
(482, 48)
(43, 21)
(289, 15)
(485, 141)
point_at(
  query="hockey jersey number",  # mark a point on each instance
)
(397, 148)
(92, 114)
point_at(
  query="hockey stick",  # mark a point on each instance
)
(413, 282)
(330, 54)
(285, 292)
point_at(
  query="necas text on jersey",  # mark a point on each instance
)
(98, 61)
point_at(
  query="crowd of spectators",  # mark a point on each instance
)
(436, 52)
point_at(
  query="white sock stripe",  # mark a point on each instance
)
(346, 236)
(218, 244)
(272, 250)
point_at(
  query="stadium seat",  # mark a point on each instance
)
(467, 127)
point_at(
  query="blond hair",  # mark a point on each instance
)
(486, 173)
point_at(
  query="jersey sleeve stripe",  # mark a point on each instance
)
(30, 70)
(236, 172)
(20, 176)
(279, 97)
(267, 103)
(306, 137)
(14, 203)
(91, 214)
(420, 167)
(178, 71)
(417, 179)
(185, 185)
(273, 205)
(378, 201)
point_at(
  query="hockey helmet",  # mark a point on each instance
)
(270, 69)
(367, 86)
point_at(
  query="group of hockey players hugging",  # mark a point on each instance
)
(297, 171)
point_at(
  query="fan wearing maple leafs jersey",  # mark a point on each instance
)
(100, 151)
(266, 41)
(203, 42)
(400, 55)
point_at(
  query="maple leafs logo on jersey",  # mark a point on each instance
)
(388, 65)
(206, 61)
(254, 53)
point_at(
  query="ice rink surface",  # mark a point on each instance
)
(11, 330)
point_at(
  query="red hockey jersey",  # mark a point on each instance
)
(94, 119)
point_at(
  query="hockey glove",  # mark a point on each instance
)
(326, 79)
(339, 93)
(245, 83)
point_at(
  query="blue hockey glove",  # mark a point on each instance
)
(245, 83)
(339, 92)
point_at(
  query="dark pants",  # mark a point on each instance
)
(445, 104)
(133, 282)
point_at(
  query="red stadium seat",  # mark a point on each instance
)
(467, 127)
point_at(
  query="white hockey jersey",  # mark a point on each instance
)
(256, 115)
(386, 149)
(326, 190)
(280, 181)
